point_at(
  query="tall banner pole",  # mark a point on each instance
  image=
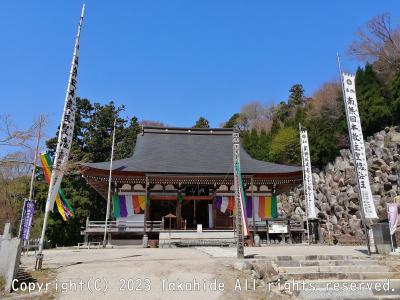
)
(366, 202)
(239, 224)
(64, 141)
(307, 179)
(109, 187)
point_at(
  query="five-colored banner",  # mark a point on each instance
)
(128, 205)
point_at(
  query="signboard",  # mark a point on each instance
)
(357, 145)
(26, 220)
(307, 174)
(277, 228)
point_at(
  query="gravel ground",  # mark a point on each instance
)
(134, 272)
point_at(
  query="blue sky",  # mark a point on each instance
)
(173, 61)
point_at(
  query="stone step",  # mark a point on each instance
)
(279, 258)
(322, 289)
(309, 263)
(343, 275)
(334, 269)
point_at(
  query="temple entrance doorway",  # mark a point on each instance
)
(196, 212)
(160, 209)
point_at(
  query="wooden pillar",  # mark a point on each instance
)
(178, 212)
(290, 232)
(147, 205)
(194, 213)
(252, 208)
(212, 205)
(214, 209)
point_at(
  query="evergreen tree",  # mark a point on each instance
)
(395, 90)
(257, 144)
(264, 142)
(202, 123)
(235, 121)
(373, 108)
(92, 142)
(275, 126)
(282, 111)
(325, 134)
(296, 96)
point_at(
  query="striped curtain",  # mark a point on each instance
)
(128, 205)
(227, 203)
(267, 207)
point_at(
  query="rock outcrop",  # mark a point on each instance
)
(335, 188)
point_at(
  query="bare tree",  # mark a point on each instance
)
(152, 123)
(379, 44)
(257, 116)
(325, 100)
(16, 166)
(10, 136)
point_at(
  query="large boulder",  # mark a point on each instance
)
(377, 163)
(336, 185)
(332, 200)
(354, 223)
(387, 186)
(393, 136)
(393, 178)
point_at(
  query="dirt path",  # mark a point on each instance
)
(169, 273)
(127, 273)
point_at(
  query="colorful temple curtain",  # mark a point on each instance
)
(128, 205)
(225, 203)
(268, 207)
(265, 206)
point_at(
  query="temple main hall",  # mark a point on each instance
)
(181, 180)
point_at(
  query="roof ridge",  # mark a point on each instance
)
(187, 130)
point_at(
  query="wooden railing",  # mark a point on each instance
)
(118, 226)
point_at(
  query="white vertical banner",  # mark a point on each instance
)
(66, 129)
(307, 174)
(64, 142)
(357, 144)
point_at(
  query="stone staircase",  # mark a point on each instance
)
(338, 277)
